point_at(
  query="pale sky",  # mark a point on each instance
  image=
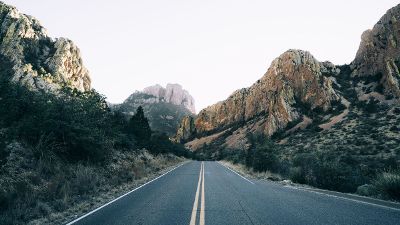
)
(211, 47)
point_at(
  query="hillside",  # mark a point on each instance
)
(39, 61)
(334, 127)
(164, 107)
(62, 150)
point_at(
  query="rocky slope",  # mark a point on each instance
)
(378, 55)
(164, 107)
(299, 92)
(295, 80)
(295, 77)
(39, 62)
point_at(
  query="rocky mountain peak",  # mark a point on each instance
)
(39, 61)
(299, 72)
(155, 90)
(294, 78)
(379, 53)
(172, 93)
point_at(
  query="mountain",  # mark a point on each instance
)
(295, 84)
(174, 94)
(378, 54)
(39, 62)
(299, 91)
(164, 107)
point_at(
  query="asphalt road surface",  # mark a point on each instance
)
(209, 193)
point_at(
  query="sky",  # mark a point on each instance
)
(210, 47)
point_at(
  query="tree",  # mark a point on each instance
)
(262, 154)
(139, 127)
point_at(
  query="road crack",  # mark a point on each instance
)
(241, 206)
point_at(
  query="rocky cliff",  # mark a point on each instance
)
(379, 53)
(186, 129)
(40, 62)
(294, 78)
(172, 93)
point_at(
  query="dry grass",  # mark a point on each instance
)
(134, 170)
(334, 120)
(42, 192)
(388, 185)
(248, 172)
(199, 142)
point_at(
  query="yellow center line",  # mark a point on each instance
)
(196, 199)
(202, 212)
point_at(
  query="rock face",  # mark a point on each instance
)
(379, 53)
(186, 129)
(39, 61)
(173, 93)
(294, 78)
(164, 107)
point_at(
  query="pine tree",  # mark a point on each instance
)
(139, 127)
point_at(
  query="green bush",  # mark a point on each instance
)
(88, 176)
(66, 145)
(388, 184)
(160, 143)
(366, 190)
(325, 171)
(139, 127)
(262, 155)
(73, 125)
(296, 175)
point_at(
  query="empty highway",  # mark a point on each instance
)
(209, 193)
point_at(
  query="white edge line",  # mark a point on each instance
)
(341, 197)
(112, 201)
(236, 173)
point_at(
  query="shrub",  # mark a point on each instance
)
(74, 125)
(296, 175)
(86, 179)
(139, 127)
(388, 184)
(334, 176)
(366, 190)
(262, 155)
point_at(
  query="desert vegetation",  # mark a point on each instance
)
(358, 155)
(60, 151)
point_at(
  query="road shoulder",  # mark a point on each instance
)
(270, 177)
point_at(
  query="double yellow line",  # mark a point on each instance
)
(196, 199)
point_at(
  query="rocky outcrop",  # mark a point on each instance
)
(379, 53)
(186, 129)
(173, 93)
(294, 79)
(39, 61)
(164, 107)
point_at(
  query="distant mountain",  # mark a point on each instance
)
(164, 107)
(39, 62)
(174, 94)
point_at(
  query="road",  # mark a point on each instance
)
(209, 193)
